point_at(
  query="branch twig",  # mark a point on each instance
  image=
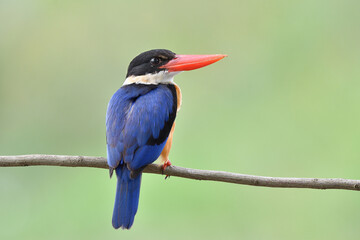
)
(100, 162)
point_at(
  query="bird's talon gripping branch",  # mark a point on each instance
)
(164, 166)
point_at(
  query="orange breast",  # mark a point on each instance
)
(166, 151)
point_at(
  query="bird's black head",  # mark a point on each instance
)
(149, 62)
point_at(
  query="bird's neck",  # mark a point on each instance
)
(162, 77)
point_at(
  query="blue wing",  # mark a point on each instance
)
(138, 122)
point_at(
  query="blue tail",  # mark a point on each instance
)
(126, 199)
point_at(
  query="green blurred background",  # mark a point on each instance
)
(284, 103)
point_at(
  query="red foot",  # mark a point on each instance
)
(165, 165)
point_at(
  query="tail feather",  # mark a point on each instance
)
(126, 199)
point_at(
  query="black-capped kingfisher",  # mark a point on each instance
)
(140, 122)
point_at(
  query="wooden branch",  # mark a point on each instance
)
(100, 162)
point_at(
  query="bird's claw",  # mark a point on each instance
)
(111, 171)
(164, 166)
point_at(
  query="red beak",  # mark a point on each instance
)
(191, 62)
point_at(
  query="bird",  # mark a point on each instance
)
(140, 121)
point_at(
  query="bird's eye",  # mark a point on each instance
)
(155, 61)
